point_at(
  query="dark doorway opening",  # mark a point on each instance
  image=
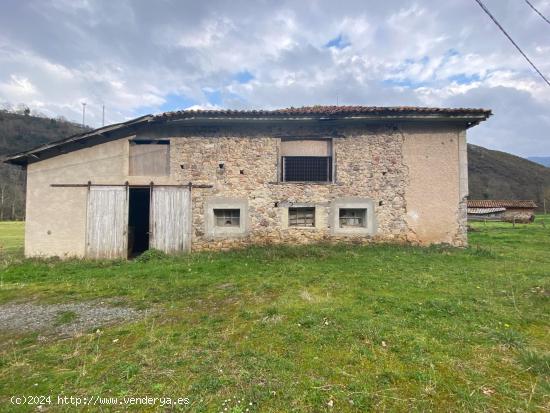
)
(138, 221)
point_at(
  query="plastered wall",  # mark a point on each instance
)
(56, 217)
(437, 184)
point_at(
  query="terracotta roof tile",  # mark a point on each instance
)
(500, 203)
(325, 111)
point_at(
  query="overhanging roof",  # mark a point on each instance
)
(332, 112)
(468, 117)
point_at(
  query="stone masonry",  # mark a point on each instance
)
(368, 165)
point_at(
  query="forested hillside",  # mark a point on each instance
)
(500, 175)
(492, 174)
(19, 132)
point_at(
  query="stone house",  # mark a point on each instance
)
(217, 179)
(502, 210)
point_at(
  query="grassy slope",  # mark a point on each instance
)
(379, 328)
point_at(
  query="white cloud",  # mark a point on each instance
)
(207, 106)
(18, 86)
(135, 57)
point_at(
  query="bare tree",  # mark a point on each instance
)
(13, 218)
(3, 188)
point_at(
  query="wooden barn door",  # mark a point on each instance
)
(107, 222)
(170, 219)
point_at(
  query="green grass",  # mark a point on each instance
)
(11, 239)
(320, 328)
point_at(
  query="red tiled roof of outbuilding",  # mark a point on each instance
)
(501, 203)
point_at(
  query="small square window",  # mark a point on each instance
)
(149, 158)
(301, 217)
(352, 217)
(227, 217)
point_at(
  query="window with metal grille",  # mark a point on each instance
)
(227, 217)
(353, 217)
(307, 169)
(301, 217)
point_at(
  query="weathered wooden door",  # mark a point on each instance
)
(170, 219)
(107, 222)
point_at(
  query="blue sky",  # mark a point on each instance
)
(137, 59)
(339, 42)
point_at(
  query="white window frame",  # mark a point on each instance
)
(359, 215)
(297, 208)
(227, 217)
(214, 231)
(368, 204)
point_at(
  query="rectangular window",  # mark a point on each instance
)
(227, 217)
(353, 217)
(306, 160)
(301, 217)
(149, 158)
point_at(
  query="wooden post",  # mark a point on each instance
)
(514, 221)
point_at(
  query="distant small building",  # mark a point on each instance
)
(503, 209)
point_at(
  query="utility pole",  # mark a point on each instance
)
(103, 115)
(83, 113)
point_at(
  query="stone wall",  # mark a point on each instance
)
(369, 165)
(461, 237)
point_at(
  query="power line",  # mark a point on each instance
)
(538, 12)
(511, 40)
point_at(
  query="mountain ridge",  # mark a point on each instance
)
(500, 175)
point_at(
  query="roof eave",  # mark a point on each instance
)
(469, 119)
(466, 119)
(21, 158)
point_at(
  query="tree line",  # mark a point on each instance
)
(21, 130)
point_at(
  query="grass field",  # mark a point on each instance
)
(11, 239)
(307, 329)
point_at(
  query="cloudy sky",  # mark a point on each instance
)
(139, 57)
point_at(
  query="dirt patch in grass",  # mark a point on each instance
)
(64, 319)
